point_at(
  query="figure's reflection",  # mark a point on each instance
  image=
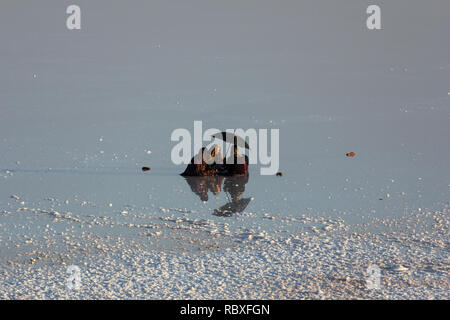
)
(201, 185)
(233, 186)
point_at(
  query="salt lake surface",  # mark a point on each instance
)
(83, 111)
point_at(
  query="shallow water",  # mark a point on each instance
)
(128, 195)
(80, 111)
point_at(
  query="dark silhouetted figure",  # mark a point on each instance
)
(237, 164)
(198, 166)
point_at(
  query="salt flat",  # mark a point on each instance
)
(82, 111)
(314, 265)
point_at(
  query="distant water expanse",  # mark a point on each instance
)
(82, 111)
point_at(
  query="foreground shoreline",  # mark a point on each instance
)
(326, 264)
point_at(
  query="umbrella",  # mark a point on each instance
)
(232, 207)
(229, 137)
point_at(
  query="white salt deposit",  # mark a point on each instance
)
(247, 263)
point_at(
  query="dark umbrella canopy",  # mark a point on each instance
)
(231, 138)
(232, 207)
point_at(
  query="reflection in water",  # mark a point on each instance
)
(201, 185)
(233, 186)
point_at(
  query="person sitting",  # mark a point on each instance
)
(198, 166)
(215, 160)
(209, 163)
(237, 164)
